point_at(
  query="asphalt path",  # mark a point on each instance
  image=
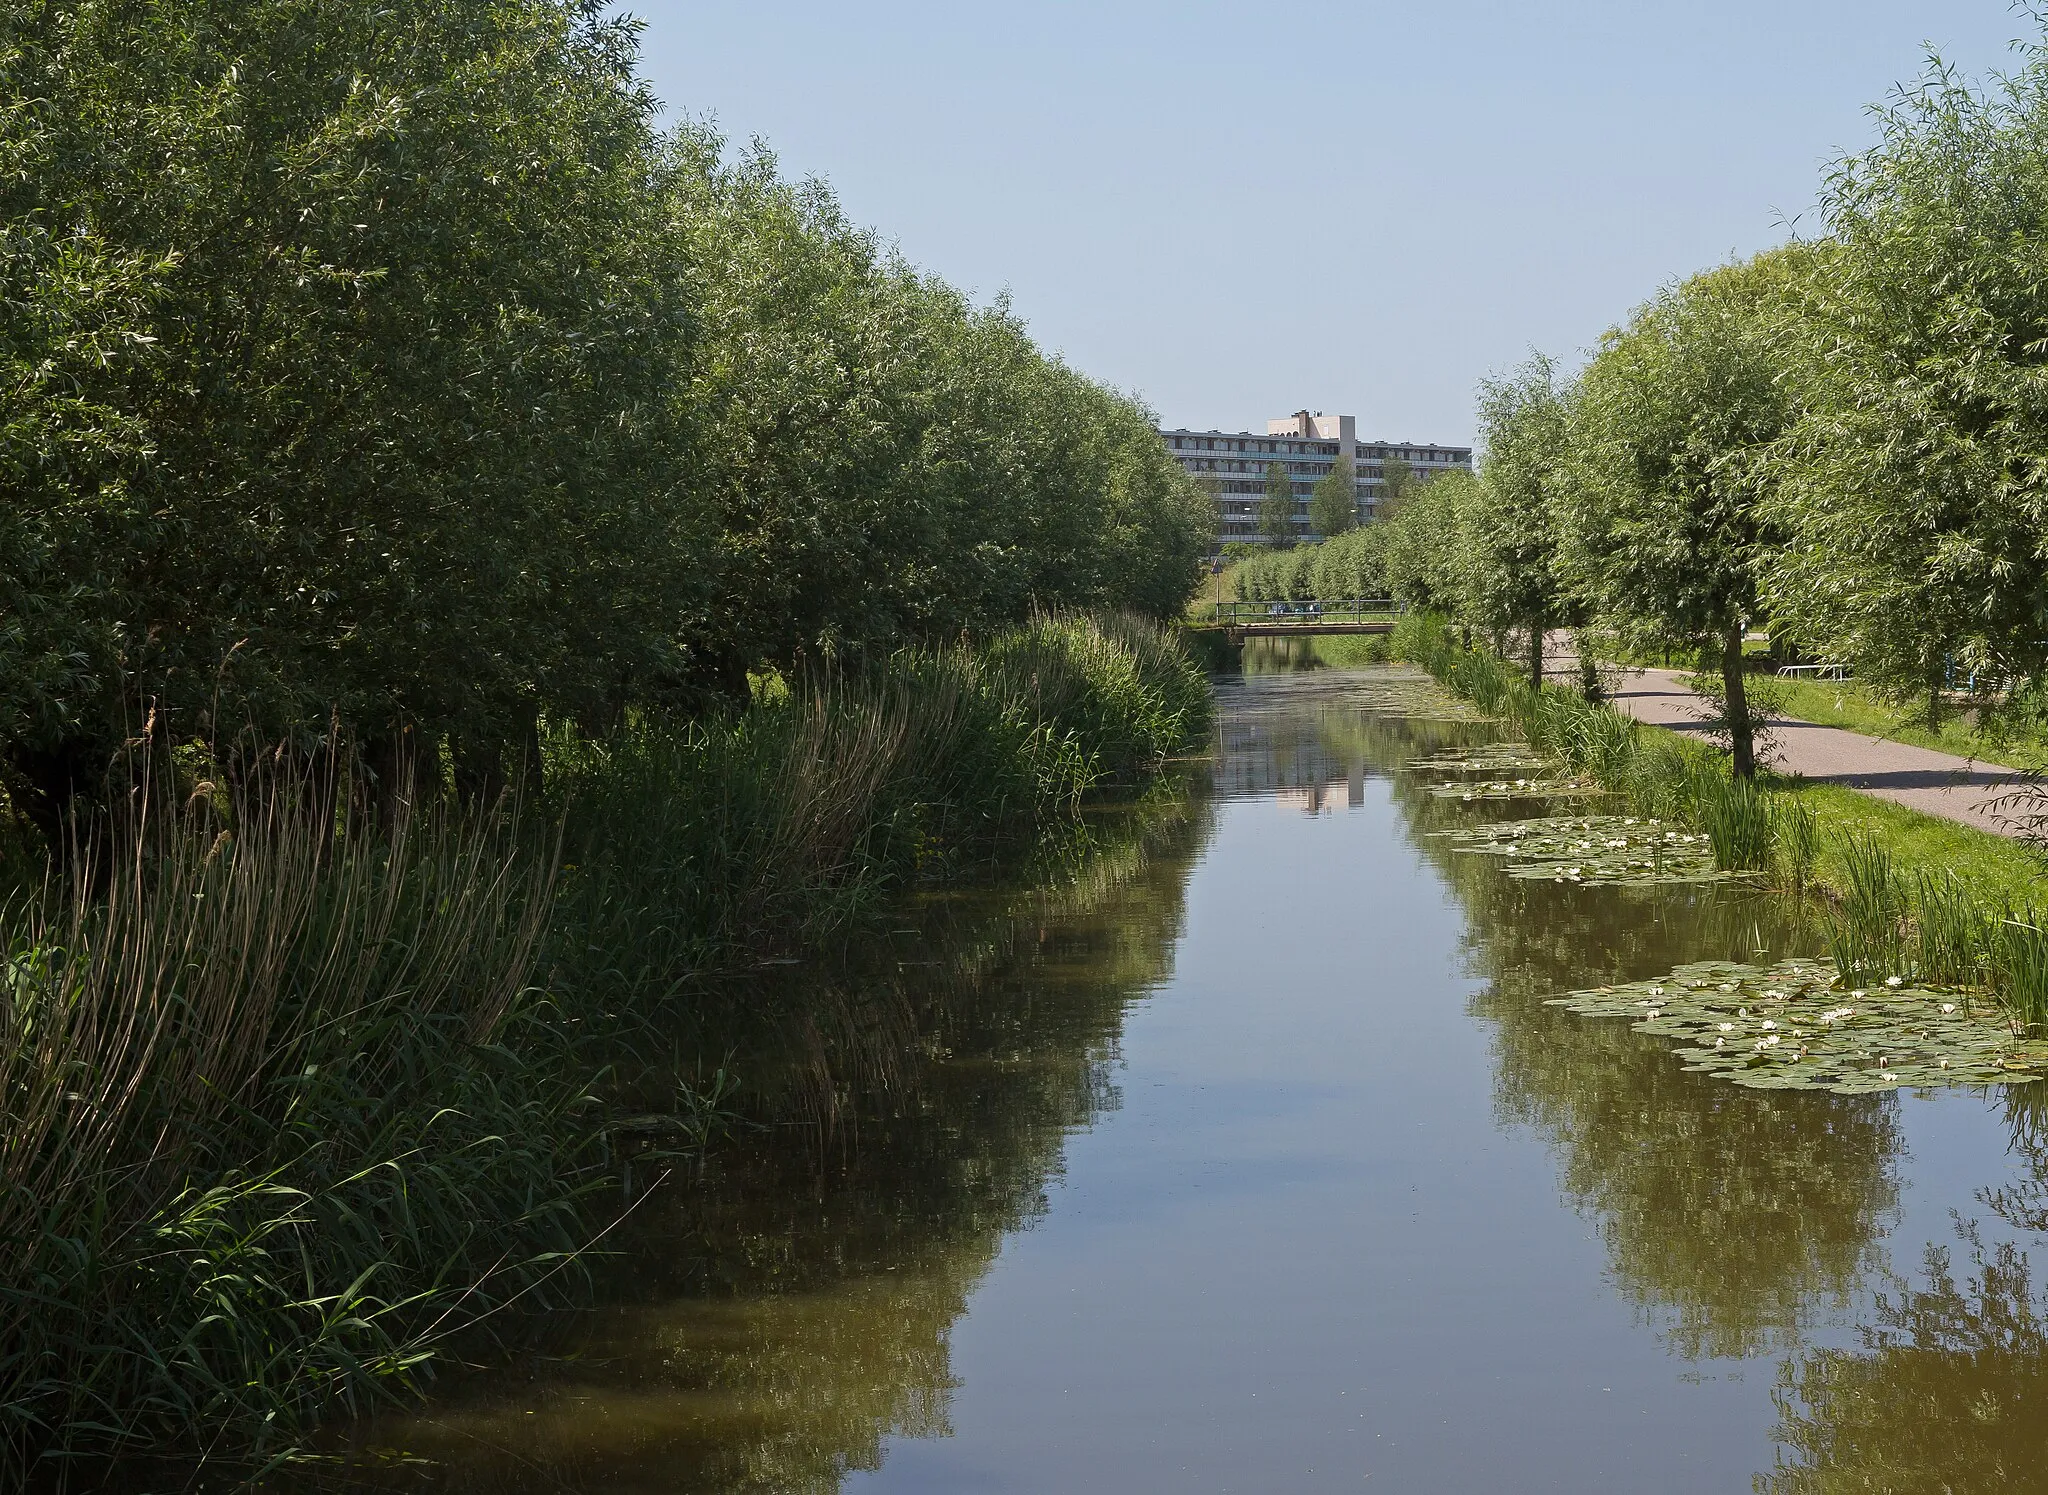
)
(1960, 789)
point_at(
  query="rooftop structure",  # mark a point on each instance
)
(1308, 445)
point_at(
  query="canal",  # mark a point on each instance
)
(1242, 1153)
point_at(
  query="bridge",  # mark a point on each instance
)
(1243, 620)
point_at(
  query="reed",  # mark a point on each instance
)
(260, 1121)
(1797, 837)
(1736, 817)
(1954, 935)
(2019, 968)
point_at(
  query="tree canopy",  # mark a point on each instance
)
(386, 367)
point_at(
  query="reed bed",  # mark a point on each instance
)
(296, 1100)
(1881, 925)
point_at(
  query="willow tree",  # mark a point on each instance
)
(394, 440)
(1276, 508)
(1915, 487)
(1510, 528)
(1425, 550)
(1662, 519)
(1333, 506)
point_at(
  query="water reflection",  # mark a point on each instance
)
(1945, 1394)
(779, 1317)
(1732, 1217)
(1946, 1386)
(791, 1317)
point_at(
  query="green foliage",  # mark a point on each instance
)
(1912, 484)
(1350, 566)
(1662, 529)
(1276, 508)
(382, 369)
(1509, 530)
(1426, 552)
(1398, 484)
(1333, 506)
(296, 1105)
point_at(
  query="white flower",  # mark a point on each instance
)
(1894, 981)
(1727, 1027)
(1859, 992)
(1768, 1025)
(1947, 1007)
(1719, 1041)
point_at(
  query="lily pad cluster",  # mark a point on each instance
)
(1792, 1026)
(1493, 759)
(1597, 850)
(1496, 789)
(1411, 693)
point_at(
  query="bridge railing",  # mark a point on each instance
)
(1347, 610)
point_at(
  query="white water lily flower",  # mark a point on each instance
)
(1727, 986)
(1887, 1075)
(1948, 1007)
(1727, 1027)
(1769, 1024)
(1894, 981)
(1655, 1013)
(1859, 992)
(1766, 1042)
(1719, 1042)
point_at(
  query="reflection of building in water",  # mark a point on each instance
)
(1296, 763)
(1291, 762)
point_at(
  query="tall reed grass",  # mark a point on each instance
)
(291, 1100)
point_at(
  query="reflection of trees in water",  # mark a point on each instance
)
(789, 1309)
(1730, 1215)
(1945, 1394)
(1947, 1389)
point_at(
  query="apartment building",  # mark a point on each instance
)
(1308, 446)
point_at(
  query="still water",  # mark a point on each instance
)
(1244, 1156)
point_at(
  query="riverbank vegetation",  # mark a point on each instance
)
(297, 1104)
(1908, 897)
(475, 564)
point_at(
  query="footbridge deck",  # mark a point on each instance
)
(1242, 620)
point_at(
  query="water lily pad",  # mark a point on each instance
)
(1495, 760)
(1520, 788)
(1598, 850)
(1792, 1026)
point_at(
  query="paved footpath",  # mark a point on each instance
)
(1933, 783)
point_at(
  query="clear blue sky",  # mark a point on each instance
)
(1236, 210)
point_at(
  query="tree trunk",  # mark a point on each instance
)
(1589, 667)
(1741, 731)
(1536, 655)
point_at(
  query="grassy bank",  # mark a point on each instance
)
(299, 1100)
(1908, 896)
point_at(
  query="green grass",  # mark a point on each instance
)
(1994, 868)
(1852, 706)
